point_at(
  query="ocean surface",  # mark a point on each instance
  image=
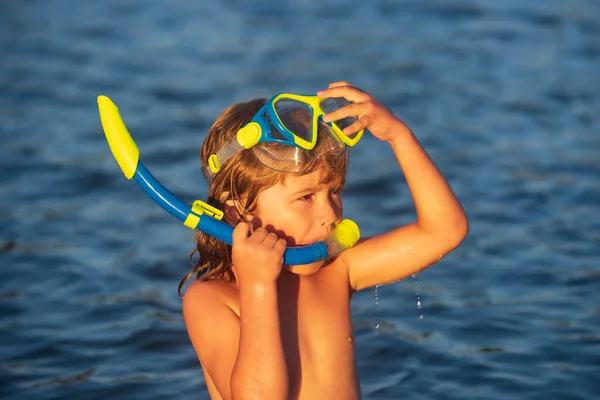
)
(504, 95)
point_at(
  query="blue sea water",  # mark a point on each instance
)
(503, 95)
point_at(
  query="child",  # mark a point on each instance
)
(264, 330)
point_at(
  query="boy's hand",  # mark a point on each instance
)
(371, 114)
(257, 256)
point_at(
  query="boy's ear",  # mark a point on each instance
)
(230, 211)
(231, 215)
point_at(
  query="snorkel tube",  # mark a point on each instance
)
(200, 215)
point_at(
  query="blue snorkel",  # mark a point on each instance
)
(200, 215)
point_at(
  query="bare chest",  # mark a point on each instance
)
(317, 337)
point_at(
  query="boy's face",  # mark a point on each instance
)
(302, 209)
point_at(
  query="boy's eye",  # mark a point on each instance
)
(305, 197)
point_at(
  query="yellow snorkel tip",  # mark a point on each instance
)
(121, 144)
(347, 233)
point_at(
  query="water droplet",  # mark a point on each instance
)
(377, 300)
(414, 276)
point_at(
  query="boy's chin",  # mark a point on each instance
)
(304, 269)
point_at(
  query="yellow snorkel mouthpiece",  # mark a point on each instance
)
(344, 236)
(121, 144)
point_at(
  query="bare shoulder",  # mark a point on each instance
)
(209, 296)
(206, 306)
(204, 290)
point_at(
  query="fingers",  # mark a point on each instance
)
(361, 111)
(244, 232)
(357, 126)
(241, 232)
(338, 84)
(352, 110)
(258, 236)
(345, 90)
(280, 245)
(269, 239)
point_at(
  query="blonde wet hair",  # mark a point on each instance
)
(241, 179)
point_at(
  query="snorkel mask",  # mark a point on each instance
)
(277, 130)
(287, 133)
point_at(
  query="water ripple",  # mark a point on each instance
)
(503, 95)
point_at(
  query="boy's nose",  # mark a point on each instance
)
(331, 212)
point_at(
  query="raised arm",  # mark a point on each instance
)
(441, 222)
